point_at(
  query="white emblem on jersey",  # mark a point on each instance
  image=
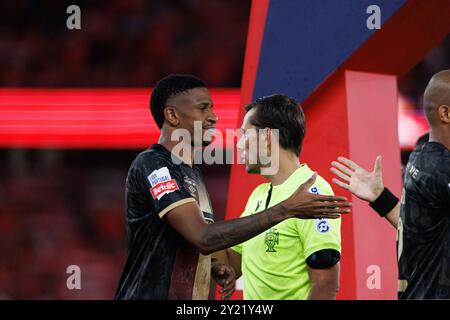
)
(322, 225)
(161, 182)
(158, 176)
(315, 190)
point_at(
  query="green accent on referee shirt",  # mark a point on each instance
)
(274, 262)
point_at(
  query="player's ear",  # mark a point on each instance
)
(171, 116)
(444, 113)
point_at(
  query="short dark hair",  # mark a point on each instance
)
(281, 112)
(167, 87)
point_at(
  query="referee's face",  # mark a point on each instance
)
(248, 145)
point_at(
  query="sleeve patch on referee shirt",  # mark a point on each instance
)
(322, 225)
(162, 183)
(315, 190)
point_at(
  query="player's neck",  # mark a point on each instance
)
(186, 157)
(440, 135)
(289, 162)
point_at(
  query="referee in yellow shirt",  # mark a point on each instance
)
(296, 259)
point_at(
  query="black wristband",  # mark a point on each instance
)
(385, 202)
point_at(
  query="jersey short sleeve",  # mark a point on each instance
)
(320, 234)
(162, 180)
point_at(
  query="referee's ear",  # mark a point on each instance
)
(267, 134)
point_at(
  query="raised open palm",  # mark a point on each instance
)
(363, 184)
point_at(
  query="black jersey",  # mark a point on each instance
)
(423, 242)
(161, 264)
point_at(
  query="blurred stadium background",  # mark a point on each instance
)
(61, 206)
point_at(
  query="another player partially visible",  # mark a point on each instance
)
(423, 215)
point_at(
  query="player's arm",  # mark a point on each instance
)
(187, 219)
(324, 282)
(367, 186)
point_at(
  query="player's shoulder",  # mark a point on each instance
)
(320, 186)
(153, 157)
(433, 159)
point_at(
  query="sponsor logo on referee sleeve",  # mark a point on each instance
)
(322, 225)
(315, 190)
(162, 183)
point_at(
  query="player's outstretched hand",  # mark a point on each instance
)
(306, 205)
(224, 276)
(365, 185)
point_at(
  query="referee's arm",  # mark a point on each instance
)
(324, 283)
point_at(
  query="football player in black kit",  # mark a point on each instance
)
(422, 216)
(169, 218)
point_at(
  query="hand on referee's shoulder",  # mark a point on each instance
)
(306, 205)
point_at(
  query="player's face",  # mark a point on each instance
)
(196, 105)
(248, 144)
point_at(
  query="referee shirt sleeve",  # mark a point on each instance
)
(320, 234)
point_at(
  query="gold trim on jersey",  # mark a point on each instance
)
(174, 205)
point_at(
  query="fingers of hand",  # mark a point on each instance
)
(322, 198)
(227, 295)
(377, 166)
(339, 167)
(340, 174)
(341, 184)
(330, 211)
(331, 204)
(228, 290)
(349, 163)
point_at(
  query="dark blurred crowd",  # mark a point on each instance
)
(59, 209)
(130, 43)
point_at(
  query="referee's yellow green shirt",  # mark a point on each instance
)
(274, 262)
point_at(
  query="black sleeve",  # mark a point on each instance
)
(323, 259)
(163, 181)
